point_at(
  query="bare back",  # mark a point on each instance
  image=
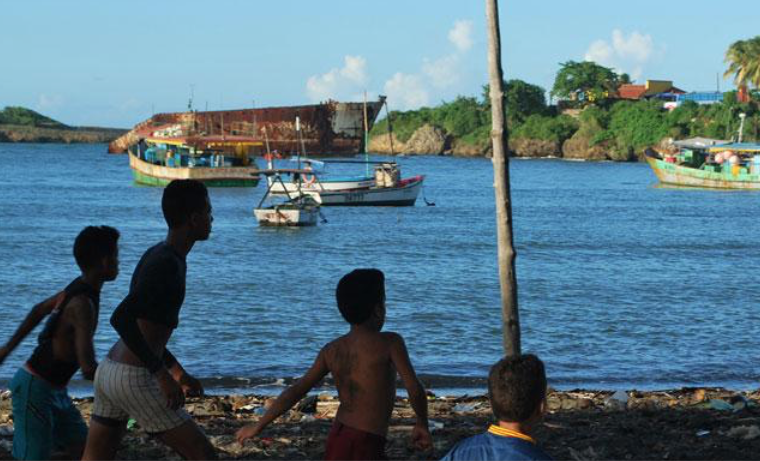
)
(361, 364)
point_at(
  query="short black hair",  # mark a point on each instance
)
(182, 198)
(516, 387)
(358, 293)
(93, 244)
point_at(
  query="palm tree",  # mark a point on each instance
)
(743, 58)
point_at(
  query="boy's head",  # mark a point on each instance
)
(517, 388)
(361, 293)
(96, 248)
(186, 203)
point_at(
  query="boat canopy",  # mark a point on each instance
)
(746, 147)
(699, 143)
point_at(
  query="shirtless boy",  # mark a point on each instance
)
(140, 377)
(364, 364)
(43, 415)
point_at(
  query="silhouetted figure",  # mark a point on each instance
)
(140, 377)
(363, 363)
(44, 417)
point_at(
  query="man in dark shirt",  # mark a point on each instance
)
(43, 415)
(140, 377)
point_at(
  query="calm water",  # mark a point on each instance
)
(621, 284)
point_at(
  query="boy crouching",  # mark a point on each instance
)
(363, 363)
(517, 391)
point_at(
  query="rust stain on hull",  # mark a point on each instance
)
(328, 128)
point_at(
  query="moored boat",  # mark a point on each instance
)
(295, 210)
(389, 190)
(712, 164)
(215, 161)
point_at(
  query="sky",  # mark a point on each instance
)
(113, 63)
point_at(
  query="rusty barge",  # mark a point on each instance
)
(329, 128)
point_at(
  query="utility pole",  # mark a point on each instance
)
(499, 136)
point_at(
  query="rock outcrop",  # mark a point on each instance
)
(14, 133)
(534, 148)
(578, 148)
(428, 140)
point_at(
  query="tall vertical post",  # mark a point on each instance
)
(499, 136)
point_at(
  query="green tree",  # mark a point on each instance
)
(522, 100)
(586, 81)
(743, 59)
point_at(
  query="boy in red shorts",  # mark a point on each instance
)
(364, 364)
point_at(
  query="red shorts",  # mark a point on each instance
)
(345, 442)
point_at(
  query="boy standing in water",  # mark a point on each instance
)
(364, 364)
(43, 415)
(517, 391)
(140, 377)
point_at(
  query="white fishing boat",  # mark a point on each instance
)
(296, 209)
(389, 190)
(314, 181)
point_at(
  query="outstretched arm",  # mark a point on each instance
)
(83, 318)
(35, 316)
(418, 399)
(190, 385)
(288, 398)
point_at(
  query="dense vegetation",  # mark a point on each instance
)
(27, 117)
(626, 127)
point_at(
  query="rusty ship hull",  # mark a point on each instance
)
(330, 128)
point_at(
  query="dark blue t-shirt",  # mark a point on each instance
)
(492, 445)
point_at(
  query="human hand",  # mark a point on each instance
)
(191, 387)
(171, 389)
(248, 432)
(421, 438)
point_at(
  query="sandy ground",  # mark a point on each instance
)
(698, 423)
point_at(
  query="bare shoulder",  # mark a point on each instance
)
(392, 338)
(80, 310)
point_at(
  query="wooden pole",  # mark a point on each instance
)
(499, 136)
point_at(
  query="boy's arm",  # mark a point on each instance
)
(84, 320)
(32, 319)
(190, 385)
(288, 398)
(417, 396)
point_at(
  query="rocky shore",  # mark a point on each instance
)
(29, 134)
(695, 423)
(430, 140)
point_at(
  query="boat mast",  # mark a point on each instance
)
(366, 133)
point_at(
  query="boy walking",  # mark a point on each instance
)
(364, 364)
(140, 377)
(44, 416)
(517, 391)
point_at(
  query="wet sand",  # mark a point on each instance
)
(696, 423)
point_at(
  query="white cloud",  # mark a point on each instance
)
(461, 35)
(339, 83)
(406, 91)
(443, 72)
(626, 53)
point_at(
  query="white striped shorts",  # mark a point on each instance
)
(123, 390)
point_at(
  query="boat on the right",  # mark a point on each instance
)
(708, 163)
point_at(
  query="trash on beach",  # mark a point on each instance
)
(465, 407)
(308, 418)
(434, 425)
(131, 424)
(703, 433)
(308, 405)
(6, 431)
(617, 401)
(720, 405)
(744, 432)
(5, 395)
(739, 402)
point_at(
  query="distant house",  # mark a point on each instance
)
(652, 89)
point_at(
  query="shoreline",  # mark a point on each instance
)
(690, 423)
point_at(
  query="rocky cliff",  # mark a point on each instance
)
(28, 134)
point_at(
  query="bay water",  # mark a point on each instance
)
(622, 284)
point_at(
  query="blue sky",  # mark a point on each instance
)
(114, 62)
